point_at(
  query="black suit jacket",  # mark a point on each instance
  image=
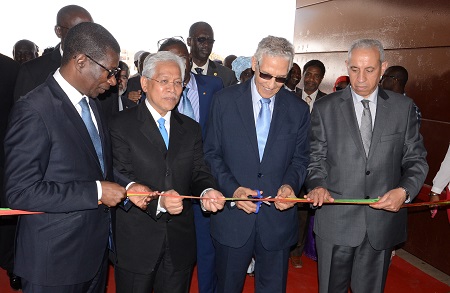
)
(51, 166)
(36, 71)
(226, 74)
(8, 73)
(141, 155)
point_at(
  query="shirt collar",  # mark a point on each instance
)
(74, 95)
(155, 114)
(372, 97)
(256, 96)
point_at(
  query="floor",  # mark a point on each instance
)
(407, 274)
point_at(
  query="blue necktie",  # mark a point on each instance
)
(163, 131)
(186, 105)
(199, 70)
(93, 133)
(263, 126)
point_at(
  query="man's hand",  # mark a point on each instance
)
(112, 193)
(285, 191)
(141, 201)
(391, 201)
(216, 203)
(318, 196)
(135, 96)
(172, 204)
(247, 206)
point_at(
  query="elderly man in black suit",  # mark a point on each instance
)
(163, 149)
(36, 71)
(59, 161)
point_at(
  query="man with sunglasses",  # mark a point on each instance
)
(257, 146)
(201, 41)
(36, 71)
(59, 161)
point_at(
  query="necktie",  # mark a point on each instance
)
(186, 105)
(263, 126)
(366, 126)
(199, 70)
(93, 133)
(163, 131)
(308, 100)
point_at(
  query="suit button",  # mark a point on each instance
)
(367, 197)
(167, 173)
(367, 172)
(260, 175)
(106, 210)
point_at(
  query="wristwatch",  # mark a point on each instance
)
(408, 197)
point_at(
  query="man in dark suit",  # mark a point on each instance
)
(257, 139)
(313, 73)
(163, 149)
(201, 41)
(59, 161)
(8, 73)
(195, 103)
(36, 71)
(365, 144)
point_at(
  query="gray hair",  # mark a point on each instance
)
(367, 44)
(275, 47)
(162, 56)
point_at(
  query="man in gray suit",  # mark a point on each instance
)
(365, 144)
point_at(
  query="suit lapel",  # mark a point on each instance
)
(177, 137)
(348, 112)
(149, 129)
(278, 117)
(381, 119)
(245, 108)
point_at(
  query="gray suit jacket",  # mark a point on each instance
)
(338, 163)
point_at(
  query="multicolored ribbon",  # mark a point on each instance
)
(9, 212)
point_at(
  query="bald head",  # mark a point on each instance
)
(68, 17)
(25, 50)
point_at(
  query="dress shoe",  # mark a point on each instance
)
(14, 281)
(296, 262)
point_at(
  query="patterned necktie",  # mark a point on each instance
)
(308, 100)
(366, 126)
(199, 70)
(263, 126)
(93, 133)
(163, 131)
(186, 105)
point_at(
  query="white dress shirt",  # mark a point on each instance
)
(442, 178)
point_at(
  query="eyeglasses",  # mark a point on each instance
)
(208, 40)
(63, 26)
(162, 41)
(111, 72)
(391, 76)
(165, 82)
(269, 77)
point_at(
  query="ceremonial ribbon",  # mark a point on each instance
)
(9, 212)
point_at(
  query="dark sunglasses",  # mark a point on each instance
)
(111, 72)
(269, 77)
(208, 40)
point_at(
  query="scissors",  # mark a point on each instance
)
(258, 204)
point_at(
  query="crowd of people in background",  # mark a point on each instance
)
(85, 138)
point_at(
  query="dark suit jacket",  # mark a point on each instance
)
(8, 73)
(52, 166)
(207, 86)
(141, 155)
(226, 74)
(231, 149)
(36, 71)
(338, 163)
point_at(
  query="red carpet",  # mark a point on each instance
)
(402, 277)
